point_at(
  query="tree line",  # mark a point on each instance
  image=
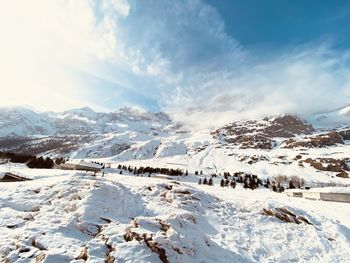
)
(151, 170)
(31, 161)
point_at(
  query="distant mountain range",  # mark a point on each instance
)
(281, 144)
(23, 122)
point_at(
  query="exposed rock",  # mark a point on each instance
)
(154, 246)
(130, 236)
(343, 174)
(260, 133)
(328, 164)
(317, 141)
(40, 258)
(285, 215)
(83, 254)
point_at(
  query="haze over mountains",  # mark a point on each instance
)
(21, 121)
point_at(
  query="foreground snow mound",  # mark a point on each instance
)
(56, 221)
(120, 218)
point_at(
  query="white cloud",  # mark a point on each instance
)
(176, 53)
(43, 43)
(302, 82)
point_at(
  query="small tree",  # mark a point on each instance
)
(245, 184)
(210, 182)
(227, 182)
(222, 183)
(205, 181)
(274, 188)
(291, 185)
(200, 181)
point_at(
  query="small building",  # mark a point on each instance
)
(10, 177)
(333, 194)
(81, 166)
(294, 194)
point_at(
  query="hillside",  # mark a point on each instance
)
(70, 216)
(282, 145)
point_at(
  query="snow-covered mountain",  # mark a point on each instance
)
(283, 144)
(70, 216)
(22, 122)
(332, 119)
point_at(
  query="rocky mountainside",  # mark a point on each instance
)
(261, 133)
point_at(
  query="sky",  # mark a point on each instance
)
(200, 60)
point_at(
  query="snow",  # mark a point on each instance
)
(329, 120)
(61, 213)
(338, 190)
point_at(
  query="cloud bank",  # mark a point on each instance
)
(161, 55)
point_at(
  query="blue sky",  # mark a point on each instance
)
(219, 59)
(281, 23)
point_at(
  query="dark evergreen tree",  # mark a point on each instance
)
(291, 185)
(205, 181)
(274, 188)
(210, 182)
(200, 181)
(245, 184)
(252, 184)
(227, 182)
(222, 183)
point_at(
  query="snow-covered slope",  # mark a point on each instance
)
(74, 217)
(332, 119)
(283, 145)
(68, 216)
